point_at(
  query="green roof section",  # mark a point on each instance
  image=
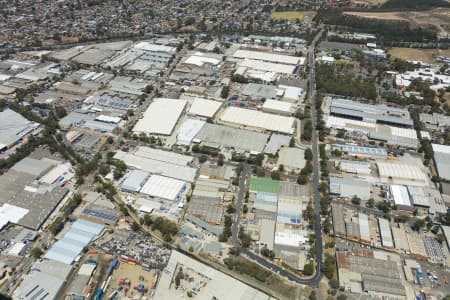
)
(258, 184)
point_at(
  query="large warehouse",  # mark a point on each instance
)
(349, 187)
(188, 130)
(269, 57)
(161, 116)
(184, 173)
(216, 135)
(164, 188)
(45, 281)
(134, 181)
(204, 107)
(442, 160)
(257, 119)
(379, 114)
(401, 173)
(13, 127)
(81, 233)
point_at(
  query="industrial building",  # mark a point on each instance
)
(218, 136)
(161, 116)
(86, 120)
(269, 57)
(291, 94)
(209, 209)
(164, 188)
(395, 172)
(364, 228)
(45, 281)
(354, 167)
(293, 159)
(337, 211)
(401, 197)
(170, 165)
(164, 156)
(259, 91)
(188, 131)
(13, 128)
(373, 272)
(405, 137)
(369, 152)
(347, 187)
(267, 233)
(81, 233)
(276, 142)
(204, 107)
(435, 119)
(211, 229)
(258, 119)
(100, 214)
(11, 214)
(134, 181)
(278, 107)
(127, 86)
(200, 59)
(22, 190)
(378, 114)
(427, 200)
(385, 233)
(215, 284)
(442, 160)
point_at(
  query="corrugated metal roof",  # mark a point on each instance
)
(385, 232)
(164, 188)
(72, 243)
(134, 181)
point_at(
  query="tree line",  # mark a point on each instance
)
(386, 30)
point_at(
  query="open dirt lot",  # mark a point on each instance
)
(131, 272)
(425, 55)
(292, 15)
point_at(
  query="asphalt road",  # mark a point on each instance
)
(315, 280)
(316, 175)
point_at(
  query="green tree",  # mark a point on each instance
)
(356, 200)
(135, 226)
(308, 154)
(308, 269)
(36, 252)
(225, 92)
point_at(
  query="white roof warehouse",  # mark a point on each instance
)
(161, 116)
(257, 119)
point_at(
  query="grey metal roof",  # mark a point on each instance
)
(362, 150)
(215, 230)
(213, 247)
(13, 127)
(349, 187)
(134, 181)
(257, 90)
(36, 167)
(240, 139)
(442, 161)
(44, 281)
(276, 142)
(70, 246)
